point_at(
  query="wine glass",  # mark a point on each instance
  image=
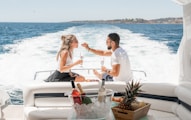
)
(81, 57)
(102, 61)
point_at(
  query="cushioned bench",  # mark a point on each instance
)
(49, 100)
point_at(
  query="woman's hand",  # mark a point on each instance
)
(78, 62)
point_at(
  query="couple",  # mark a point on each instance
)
(121, 70)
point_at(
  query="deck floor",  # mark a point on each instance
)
(14, 112)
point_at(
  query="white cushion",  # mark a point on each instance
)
(53, 102)
(63, 87)
(33, 113)
(160, 115)
(161, 105)
(164, 89)
(53, 108)
(184, 94)
(183, 113)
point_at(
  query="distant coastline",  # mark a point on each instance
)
(169, 20)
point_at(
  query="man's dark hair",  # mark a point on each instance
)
(114, 37)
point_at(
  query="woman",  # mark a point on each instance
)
(65, 61)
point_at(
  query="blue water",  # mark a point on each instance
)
(11, 33)
(171, 34)
(29, 47)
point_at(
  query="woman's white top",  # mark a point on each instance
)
(68, 62)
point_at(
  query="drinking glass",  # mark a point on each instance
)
(102, 61)
(81, 57)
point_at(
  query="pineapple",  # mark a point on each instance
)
(131, 92)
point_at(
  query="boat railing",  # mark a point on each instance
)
(48, 72)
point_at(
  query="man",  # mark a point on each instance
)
(121, 70)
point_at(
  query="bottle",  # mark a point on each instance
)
(102, 92)
(85, 99)
(75, 94)
(80, 88)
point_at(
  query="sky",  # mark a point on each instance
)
(72, 10)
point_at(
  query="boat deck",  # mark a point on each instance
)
(13, 112)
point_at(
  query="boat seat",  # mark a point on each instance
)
(49, 100)
(161, 115)
(174, 104)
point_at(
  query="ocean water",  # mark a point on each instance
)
(26, 48)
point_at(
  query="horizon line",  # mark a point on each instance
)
(81, 20)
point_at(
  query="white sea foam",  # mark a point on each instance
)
(39, 53)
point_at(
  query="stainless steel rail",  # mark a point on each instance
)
(88, 69)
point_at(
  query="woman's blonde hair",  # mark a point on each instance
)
(66, 42)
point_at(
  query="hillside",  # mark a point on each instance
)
(169, 20)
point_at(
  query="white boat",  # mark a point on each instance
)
(168, 101)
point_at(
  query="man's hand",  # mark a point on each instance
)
(103, 69)
(85, 45)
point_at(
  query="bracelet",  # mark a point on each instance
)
(88, 49)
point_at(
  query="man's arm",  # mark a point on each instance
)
(97, 52)
(114, 71)
(100, 52)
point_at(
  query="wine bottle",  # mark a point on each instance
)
(85, 99)
(75, 94)
(102, 92)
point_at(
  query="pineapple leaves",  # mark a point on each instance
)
(131, 92)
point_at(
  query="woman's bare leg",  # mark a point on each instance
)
(80, 79)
